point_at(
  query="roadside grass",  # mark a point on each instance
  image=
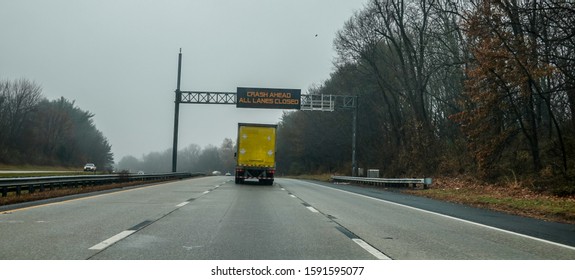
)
(317, 177)
(45, 174)
(38, 167)
(510, 197)
(46, 171)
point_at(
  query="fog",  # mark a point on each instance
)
(118, 59)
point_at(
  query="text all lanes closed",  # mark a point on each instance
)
(268, 98)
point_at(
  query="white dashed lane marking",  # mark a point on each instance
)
(104, 244)
(312, 209)
(182, 204)
(376, 253)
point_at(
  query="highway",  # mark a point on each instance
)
(211, 218)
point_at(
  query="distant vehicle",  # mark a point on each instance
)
(228, 174)
(140, 172)
(216, 173)
(256, 154)
(90, 167)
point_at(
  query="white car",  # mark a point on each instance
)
(90, 167)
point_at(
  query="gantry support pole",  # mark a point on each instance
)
(177, 115)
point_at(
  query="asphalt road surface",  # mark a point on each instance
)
(211, 218)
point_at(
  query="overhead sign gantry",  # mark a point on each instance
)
(263, 98)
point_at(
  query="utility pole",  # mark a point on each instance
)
(327, 103)
(177, 115)
(353, 141)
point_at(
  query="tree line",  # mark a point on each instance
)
(38, 131)
(447, 87)
(192, 159)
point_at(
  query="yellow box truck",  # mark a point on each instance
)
(256, 153)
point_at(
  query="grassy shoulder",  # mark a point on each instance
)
(11, 171)
(44, 174)
(317, 177)
(510, 197)
(39, 167)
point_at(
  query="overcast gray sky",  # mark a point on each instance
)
(118, 59)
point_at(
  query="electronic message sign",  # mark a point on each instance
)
(268, 98)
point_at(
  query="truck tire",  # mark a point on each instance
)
(268, 182)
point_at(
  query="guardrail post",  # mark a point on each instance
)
(426, 183)
(4, 191)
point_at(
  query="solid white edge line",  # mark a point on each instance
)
(312, 209)
(376, 253)
(182, 204)
(450, 217)
(112, 240)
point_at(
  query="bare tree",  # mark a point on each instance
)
(17, 100)
(414, 53)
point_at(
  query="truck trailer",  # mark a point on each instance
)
(256, 153)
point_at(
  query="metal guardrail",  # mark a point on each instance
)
(382, 181)
(33, 184)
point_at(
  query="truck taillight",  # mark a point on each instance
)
(271, 171)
